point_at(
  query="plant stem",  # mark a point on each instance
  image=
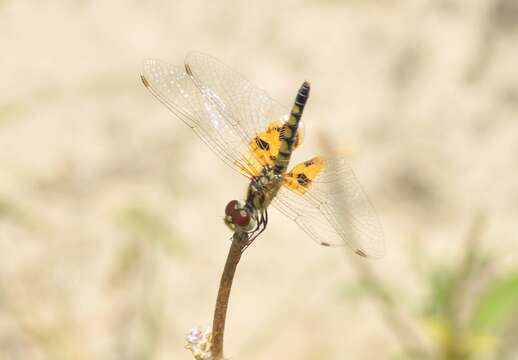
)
(220, 312)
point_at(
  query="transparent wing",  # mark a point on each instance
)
(221, 107)
(246, 107)
(335, 211)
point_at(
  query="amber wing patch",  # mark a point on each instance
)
(264, 148)
(265, 145)
(300, 178)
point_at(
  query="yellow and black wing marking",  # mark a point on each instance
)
(265, 145)
(324, 198)
(223, 108)
(301, 177)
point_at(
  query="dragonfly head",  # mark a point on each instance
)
(238, 217)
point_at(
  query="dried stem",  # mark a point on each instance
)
(220, 312)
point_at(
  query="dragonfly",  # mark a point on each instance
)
(256, 136)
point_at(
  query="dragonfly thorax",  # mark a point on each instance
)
(263, 188)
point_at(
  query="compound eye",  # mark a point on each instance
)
(231, 208)
(241, 218)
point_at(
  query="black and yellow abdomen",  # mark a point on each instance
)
(273, 148)
(288, 134)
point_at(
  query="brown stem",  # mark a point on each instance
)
(220, 312)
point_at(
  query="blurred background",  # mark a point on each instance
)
(111, 234)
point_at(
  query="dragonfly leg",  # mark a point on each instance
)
(262, 222)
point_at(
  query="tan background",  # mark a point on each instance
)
(111, 239)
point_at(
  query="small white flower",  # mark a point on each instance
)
(199, 343)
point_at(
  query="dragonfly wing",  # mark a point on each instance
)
(330, 205)
(174, 88)
(247, 108)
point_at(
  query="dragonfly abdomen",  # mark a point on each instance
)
(288, 134)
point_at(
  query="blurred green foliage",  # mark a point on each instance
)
(143, 228)
(140, 222)
(469, 312)
(20, 215)
(497, 305)
(136, 273)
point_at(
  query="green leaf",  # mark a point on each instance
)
(440, 280)
(496, 305)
